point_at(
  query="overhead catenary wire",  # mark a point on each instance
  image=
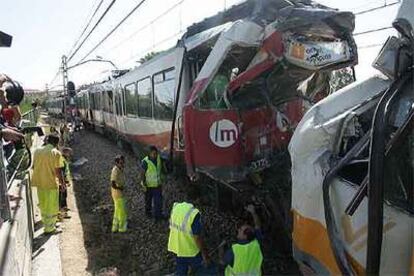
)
(366, 11)
(114, 29)
(92, 30)
(152, 47)
(370, 46)
(55, 77)
(365, 4)
(377, 8)
(86, 26)
(92, 76)
(167, 11)
(373, 30)
(180, 2)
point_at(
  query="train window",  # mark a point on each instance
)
(118, 107)
(85, 101)
(109, 101)
(399, 175)
(98, 101)
(92, 97)
(242, 99)
(95, 105)
(105, 105)
(130, 100)
(145, 98)
(399, 164)
(236, 62)
(164, 88)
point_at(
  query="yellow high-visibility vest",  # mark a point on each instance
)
(248, 260)
(153, 173)
(181, 240)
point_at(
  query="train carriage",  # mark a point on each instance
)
(55, 106)
(229, 95)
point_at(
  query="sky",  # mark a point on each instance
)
(44, 30)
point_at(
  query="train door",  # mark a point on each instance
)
(108, 106)
(118, 108)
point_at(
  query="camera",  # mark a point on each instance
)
(26, 130)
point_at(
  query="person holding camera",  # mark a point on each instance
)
(9, 134)
(11, 94)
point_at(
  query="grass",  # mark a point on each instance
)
(25, 106)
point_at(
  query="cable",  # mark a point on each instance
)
(91, 31)
(114, 29)
(377, 8)
(370, 46)
(366, 3)
(152, 47)
(146, 26)
(373, 31)
(86, 27)
(54, 78)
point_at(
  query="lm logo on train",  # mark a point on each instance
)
(223, 133)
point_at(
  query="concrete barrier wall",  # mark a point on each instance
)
(16, 235)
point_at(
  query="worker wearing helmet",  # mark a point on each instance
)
(152, 179)
(185, 238)
(245, 256)
(119, 222)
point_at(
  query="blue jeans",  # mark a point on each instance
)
(196, 264)
(153, 194)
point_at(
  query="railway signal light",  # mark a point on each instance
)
(71, 89)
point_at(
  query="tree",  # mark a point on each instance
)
(148, 56)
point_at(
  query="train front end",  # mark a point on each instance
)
(257, 83)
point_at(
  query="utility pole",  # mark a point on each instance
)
(65, 81)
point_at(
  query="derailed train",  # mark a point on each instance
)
(225, 101)
(227, 98)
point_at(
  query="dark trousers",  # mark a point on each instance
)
(153, 195)
(62, 199)
(196, 265)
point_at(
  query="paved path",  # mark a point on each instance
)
(73, 252)
(46, 253)
(64, 253)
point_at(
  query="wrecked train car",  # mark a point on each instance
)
(263, 72)
(227, 98)
(353, 171)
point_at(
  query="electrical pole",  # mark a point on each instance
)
(65, 81)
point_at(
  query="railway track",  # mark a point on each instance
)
(143, 250)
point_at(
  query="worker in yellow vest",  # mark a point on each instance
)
(67, 176)
(152, 180)
(119, 222)
(48, 179)
(185, 238)
(245, 256)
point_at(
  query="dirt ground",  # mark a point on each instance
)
(73, 253)
(89, 247)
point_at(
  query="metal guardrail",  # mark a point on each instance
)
(10, 171)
